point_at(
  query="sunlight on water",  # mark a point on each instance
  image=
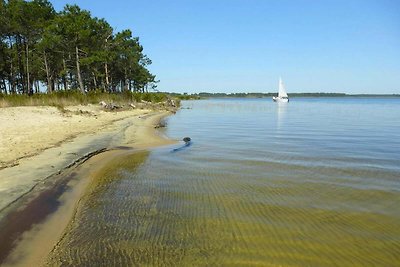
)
(312, 183)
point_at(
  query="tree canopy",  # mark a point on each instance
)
(67, 50)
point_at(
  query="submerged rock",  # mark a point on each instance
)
(161, 124)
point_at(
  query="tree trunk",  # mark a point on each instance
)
(106, 48)
(3, 86)
(112, 86)
(11, 84)
(94, 81)
(10, 88)
(125, 88)
(20, 65)
(78, 70)
(50, 88)
(70, 77)
(28, 82)
(65, 78)
(103, 87)
(107, 78)
(36, 83)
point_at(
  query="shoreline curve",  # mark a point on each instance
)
(32, 240)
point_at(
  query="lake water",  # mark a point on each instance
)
(313, 182)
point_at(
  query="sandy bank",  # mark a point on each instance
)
(26, 131)
(38, 143)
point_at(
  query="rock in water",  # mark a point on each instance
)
(161, 124)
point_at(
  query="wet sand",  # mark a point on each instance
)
(40, 195)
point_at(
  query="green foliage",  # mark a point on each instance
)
(66, 51)
(153, 97)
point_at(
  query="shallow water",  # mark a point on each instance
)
(315, 182)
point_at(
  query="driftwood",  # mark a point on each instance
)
(171, 102)
(110, 106)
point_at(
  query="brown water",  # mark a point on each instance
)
(299, 185)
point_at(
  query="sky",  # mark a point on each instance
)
(349, 46)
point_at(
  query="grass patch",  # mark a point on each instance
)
(72, 98)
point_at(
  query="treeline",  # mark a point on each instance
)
(67, 50)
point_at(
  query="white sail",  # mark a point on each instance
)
(282, 91)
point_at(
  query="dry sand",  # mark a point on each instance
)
(38, 143)
(26, 131)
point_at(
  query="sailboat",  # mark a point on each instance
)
(282, 95)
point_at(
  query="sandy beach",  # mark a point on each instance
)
(42, 150)
(27, 131)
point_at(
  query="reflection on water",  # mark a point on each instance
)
(324, 191)
(281, 110)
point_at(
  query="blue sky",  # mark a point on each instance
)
(350, 46)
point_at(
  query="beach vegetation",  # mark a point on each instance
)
(75, 97)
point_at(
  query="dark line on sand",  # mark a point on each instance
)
(18, 221)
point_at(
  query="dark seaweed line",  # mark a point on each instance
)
(76, 163)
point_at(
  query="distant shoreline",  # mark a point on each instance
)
(205, 95)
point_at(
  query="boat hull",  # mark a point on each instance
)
(279, 99)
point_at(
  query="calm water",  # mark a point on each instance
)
(315, 182)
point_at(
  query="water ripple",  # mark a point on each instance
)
(315, 183)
